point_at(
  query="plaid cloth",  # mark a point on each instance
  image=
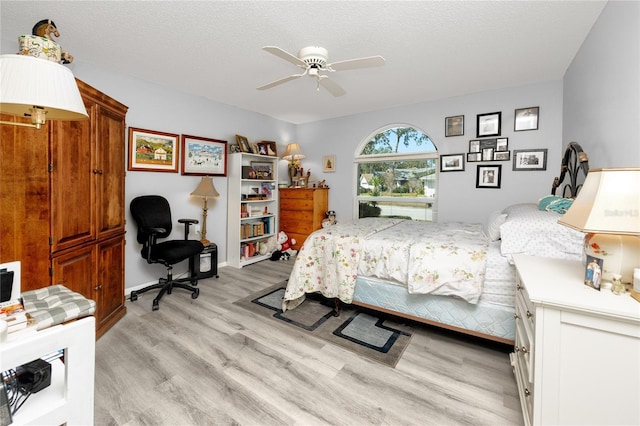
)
(56, 304)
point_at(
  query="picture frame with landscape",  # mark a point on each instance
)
(489, 124)
(153, 151)
(530, 159)
(452, 163)
(203, 156)
(526, 119)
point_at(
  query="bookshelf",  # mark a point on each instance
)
(252, 207)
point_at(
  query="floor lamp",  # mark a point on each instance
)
(206, 189)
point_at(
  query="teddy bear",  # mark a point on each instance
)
(285, 244)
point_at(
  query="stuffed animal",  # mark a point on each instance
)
(279, 255)
(285, 244)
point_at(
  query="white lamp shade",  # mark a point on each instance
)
(293, 152)
(608, 203)
(26, 82)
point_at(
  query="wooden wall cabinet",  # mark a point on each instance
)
(302, 211)
(65, 219)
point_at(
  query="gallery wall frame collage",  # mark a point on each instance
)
(489, 146)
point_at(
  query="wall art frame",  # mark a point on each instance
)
(454, 126)
(203, 156)
(243, 143)
(153, 151)
(488, 124)
(488, 176)
(474, 157)
(529, 160)
(526, 119)
(452, 163)
(329, 163)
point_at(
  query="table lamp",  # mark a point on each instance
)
(607, 209)
(293, 155)
(205, 189)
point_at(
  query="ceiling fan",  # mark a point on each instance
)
(313, 60)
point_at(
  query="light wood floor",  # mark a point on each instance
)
(209, 362)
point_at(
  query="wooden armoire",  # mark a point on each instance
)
(62, 203)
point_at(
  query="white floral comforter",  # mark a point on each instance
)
(439, 258)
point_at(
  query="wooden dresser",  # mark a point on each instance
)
(302, 211)
(62, 210)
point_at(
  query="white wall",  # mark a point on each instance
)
(602, 89)
(459, 200)
(157, 108)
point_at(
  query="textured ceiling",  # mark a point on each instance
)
(433, 49)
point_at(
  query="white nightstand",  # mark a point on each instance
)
(577, 352)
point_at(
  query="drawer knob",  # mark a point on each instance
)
(529, 314)
(519, 287)
(516, 316)
(524, 349)
(527, 392)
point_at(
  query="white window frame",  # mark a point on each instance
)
(358, 159)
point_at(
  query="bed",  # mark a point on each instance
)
(454, 275)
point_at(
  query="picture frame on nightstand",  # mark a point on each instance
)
(593, 272)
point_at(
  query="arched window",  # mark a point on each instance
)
(396, 174)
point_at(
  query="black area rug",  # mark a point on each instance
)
(370, 334)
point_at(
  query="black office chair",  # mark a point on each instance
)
(153, 218)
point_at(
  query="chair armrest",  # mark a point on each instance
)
(187, 223)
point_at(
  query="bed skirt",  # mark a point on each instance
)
(486, 320)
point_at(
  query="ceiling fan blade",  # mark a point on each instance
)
(282, 80)
(331, 86)
(285, 55)
(351, 64)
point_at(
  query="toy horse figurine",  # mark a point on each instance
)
(46, 28)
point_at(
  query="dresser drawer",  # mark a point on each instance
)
(296, 222)
(295, 204)
(297, 194)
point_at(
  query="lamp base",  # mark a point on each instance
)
(620, 254)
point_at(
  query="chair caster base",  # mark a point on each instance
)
(156, 305)
(134, 296)
(195, 293)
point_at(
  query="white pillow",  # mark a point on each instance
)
(531, 231)
(492, 226)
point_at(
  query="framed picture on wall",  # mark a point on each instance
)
(203, 156)
(526, 119)
(152, 151)
(454, 126)
(488, 176)
(489, 124)
(529, 159)
(452, 163)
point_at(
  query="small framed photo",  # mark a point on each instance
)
(267, 148)
(487, 154)
(473, 157)
(526, 119)
(329, 163)
(263, 169)
(489, 124)
(243, 143)
(529, 159)
(502, 156)
(593, 272)
(152, 151)
(454, 126)
(300, 182)
(474, 145)
(488, 176)
(502, 144)
(203, 156)
(452, 163)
